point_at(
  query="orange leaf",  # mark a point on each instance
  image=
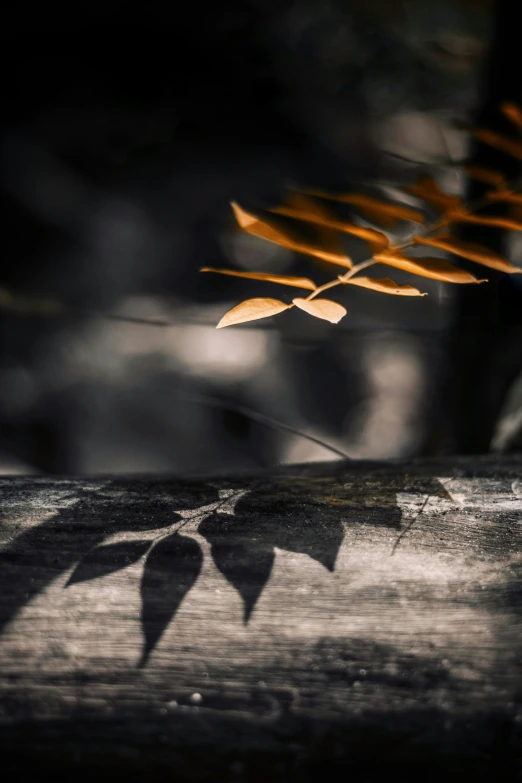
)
(302, 208)
(428, 190)
(471, 250)
(384, 285)
(297, 282)
(251, 224)
(483, 174)
(513, 113)
(433, 268)
(508, 196)
(388, 214)
(308, 207)
(510, 147)
(252, 310)
(374, 209)
(322, 308)
(376, 239)
(485, 220)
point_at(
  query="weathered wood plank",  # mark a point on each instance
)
(319, 621)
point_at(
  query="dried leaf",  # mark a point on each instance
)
(374, 209)
(502, 143)
(252, 310)
(513, 113)
(296, 282)
(471, 250)
(322, 308)
(329, 250)
(485, 220)
(428, 190)
(385, 286)
(483, 174)
(301, 208)
(433, 268)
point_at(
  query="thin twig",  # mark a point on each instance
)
(268, 421)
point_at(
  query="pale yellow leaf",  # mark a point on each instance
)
(513, 113)
(384, 286)
(433, 268)
(322, 308)
(252, 310)
(509, 146)
(470, 250)
(296, 282)
(328, 250)
(428, 190)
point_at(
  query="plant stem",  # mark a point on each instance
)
(343, 278)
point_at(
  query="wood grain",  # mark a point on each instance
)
(321, 621)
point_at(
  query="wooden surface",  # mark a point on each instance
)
(333, 622)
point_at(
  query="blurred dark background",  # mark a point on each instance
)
(126, 134)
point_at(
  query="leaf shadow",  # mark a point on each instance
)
(44, 552)
(107, 559)
(245, 563)
(305, 514)
(171, 569)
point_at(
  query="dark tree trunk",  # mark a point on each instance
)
(486, 340)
